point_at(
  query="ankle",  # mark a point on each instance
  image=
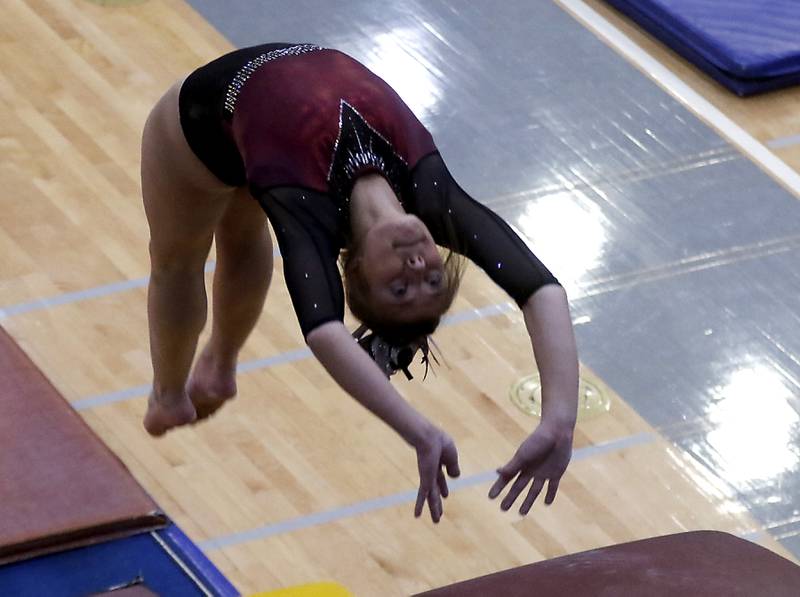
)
(165, 395)
(219, 358)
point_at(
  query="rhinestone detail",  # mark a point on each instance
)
(360, 146)
(244, 73)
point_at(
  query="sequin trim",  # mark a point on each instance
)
(244, 73)
(359, 153)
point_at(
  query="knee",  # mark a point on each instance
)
(178, 258)
(246, 242)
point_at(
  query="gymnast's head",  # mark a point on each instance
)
(397, 281)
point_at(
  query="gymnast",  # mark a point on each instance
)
(345, 174)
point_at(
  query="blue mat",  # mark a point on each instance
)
(165, 562)
(750, 46)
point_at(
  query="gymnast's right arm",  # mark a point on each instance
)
(359, 376)
(305, 228)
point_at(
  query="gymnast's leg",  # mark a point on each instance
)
(241, 281)
(184, 204)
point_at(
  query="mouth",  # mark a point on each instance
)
(407, 233)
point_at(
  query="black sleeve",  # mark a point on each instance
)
(308, 227)
(460, 223)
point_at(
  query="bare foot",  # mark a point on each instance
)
(210, 385)
(163, 415)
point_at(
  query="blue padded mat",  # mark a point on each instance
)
(750, 46)
(165, 562)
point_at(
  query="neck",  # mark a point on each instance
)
(372, 201)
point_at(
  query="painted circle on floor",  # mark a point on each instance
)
(593, 400)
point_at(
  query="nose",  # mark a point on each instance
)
(415, 262)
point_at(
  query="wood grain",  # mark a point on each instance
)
(76, 84)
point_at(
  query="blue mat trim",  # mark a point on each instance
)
(749, 46)
(165, 562)
(194, 559)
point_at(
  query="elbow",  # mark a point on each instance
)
(549, 291)
(322, 335)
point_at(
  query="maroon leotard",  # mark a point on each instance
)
(298, 124)
(286, 123)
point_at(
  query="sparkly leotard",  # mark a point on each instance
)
(298, 124)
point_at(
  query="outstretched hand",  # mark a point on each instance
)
(436, 453)
(541, 458)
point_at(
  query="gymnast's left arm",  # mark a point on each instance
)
(543, 456)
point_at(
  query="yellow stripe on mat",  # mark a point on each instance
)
(318, 589)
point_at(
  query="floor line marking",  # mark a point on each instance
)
(81, 295)
(673, 84)
(784, 142)
(404, 497)
(88, 293)
(282, 358)
(716, 259)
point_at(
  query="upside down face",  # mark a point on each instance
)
(403, 270)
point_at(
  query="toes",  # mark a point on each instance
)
(154, 430)
(205, 409)
(158, 419)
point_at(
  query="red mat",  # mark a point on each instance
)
(60, 486)
(696, 564)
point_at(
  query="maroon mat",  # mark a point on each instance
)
(696, 564)
(60, 486)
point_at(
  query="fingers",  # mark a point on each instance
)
(449, 459)
(536, 489)
(502, 480)
(520, 484)
(498, 486)
(434, 499)
(432, 493)
(505, 474)
(436, 488)
(422, 494)
(442, 482)
(552, 489)
(439, 489)
(523, 475)
(435, 504)
(510, 469)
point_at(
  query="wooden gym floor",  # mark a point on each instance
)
(265, 486)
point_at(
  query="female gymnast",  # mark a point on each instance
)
(341, 167)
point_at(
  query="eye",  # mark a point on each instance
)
(435, 279)
(398, 289)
